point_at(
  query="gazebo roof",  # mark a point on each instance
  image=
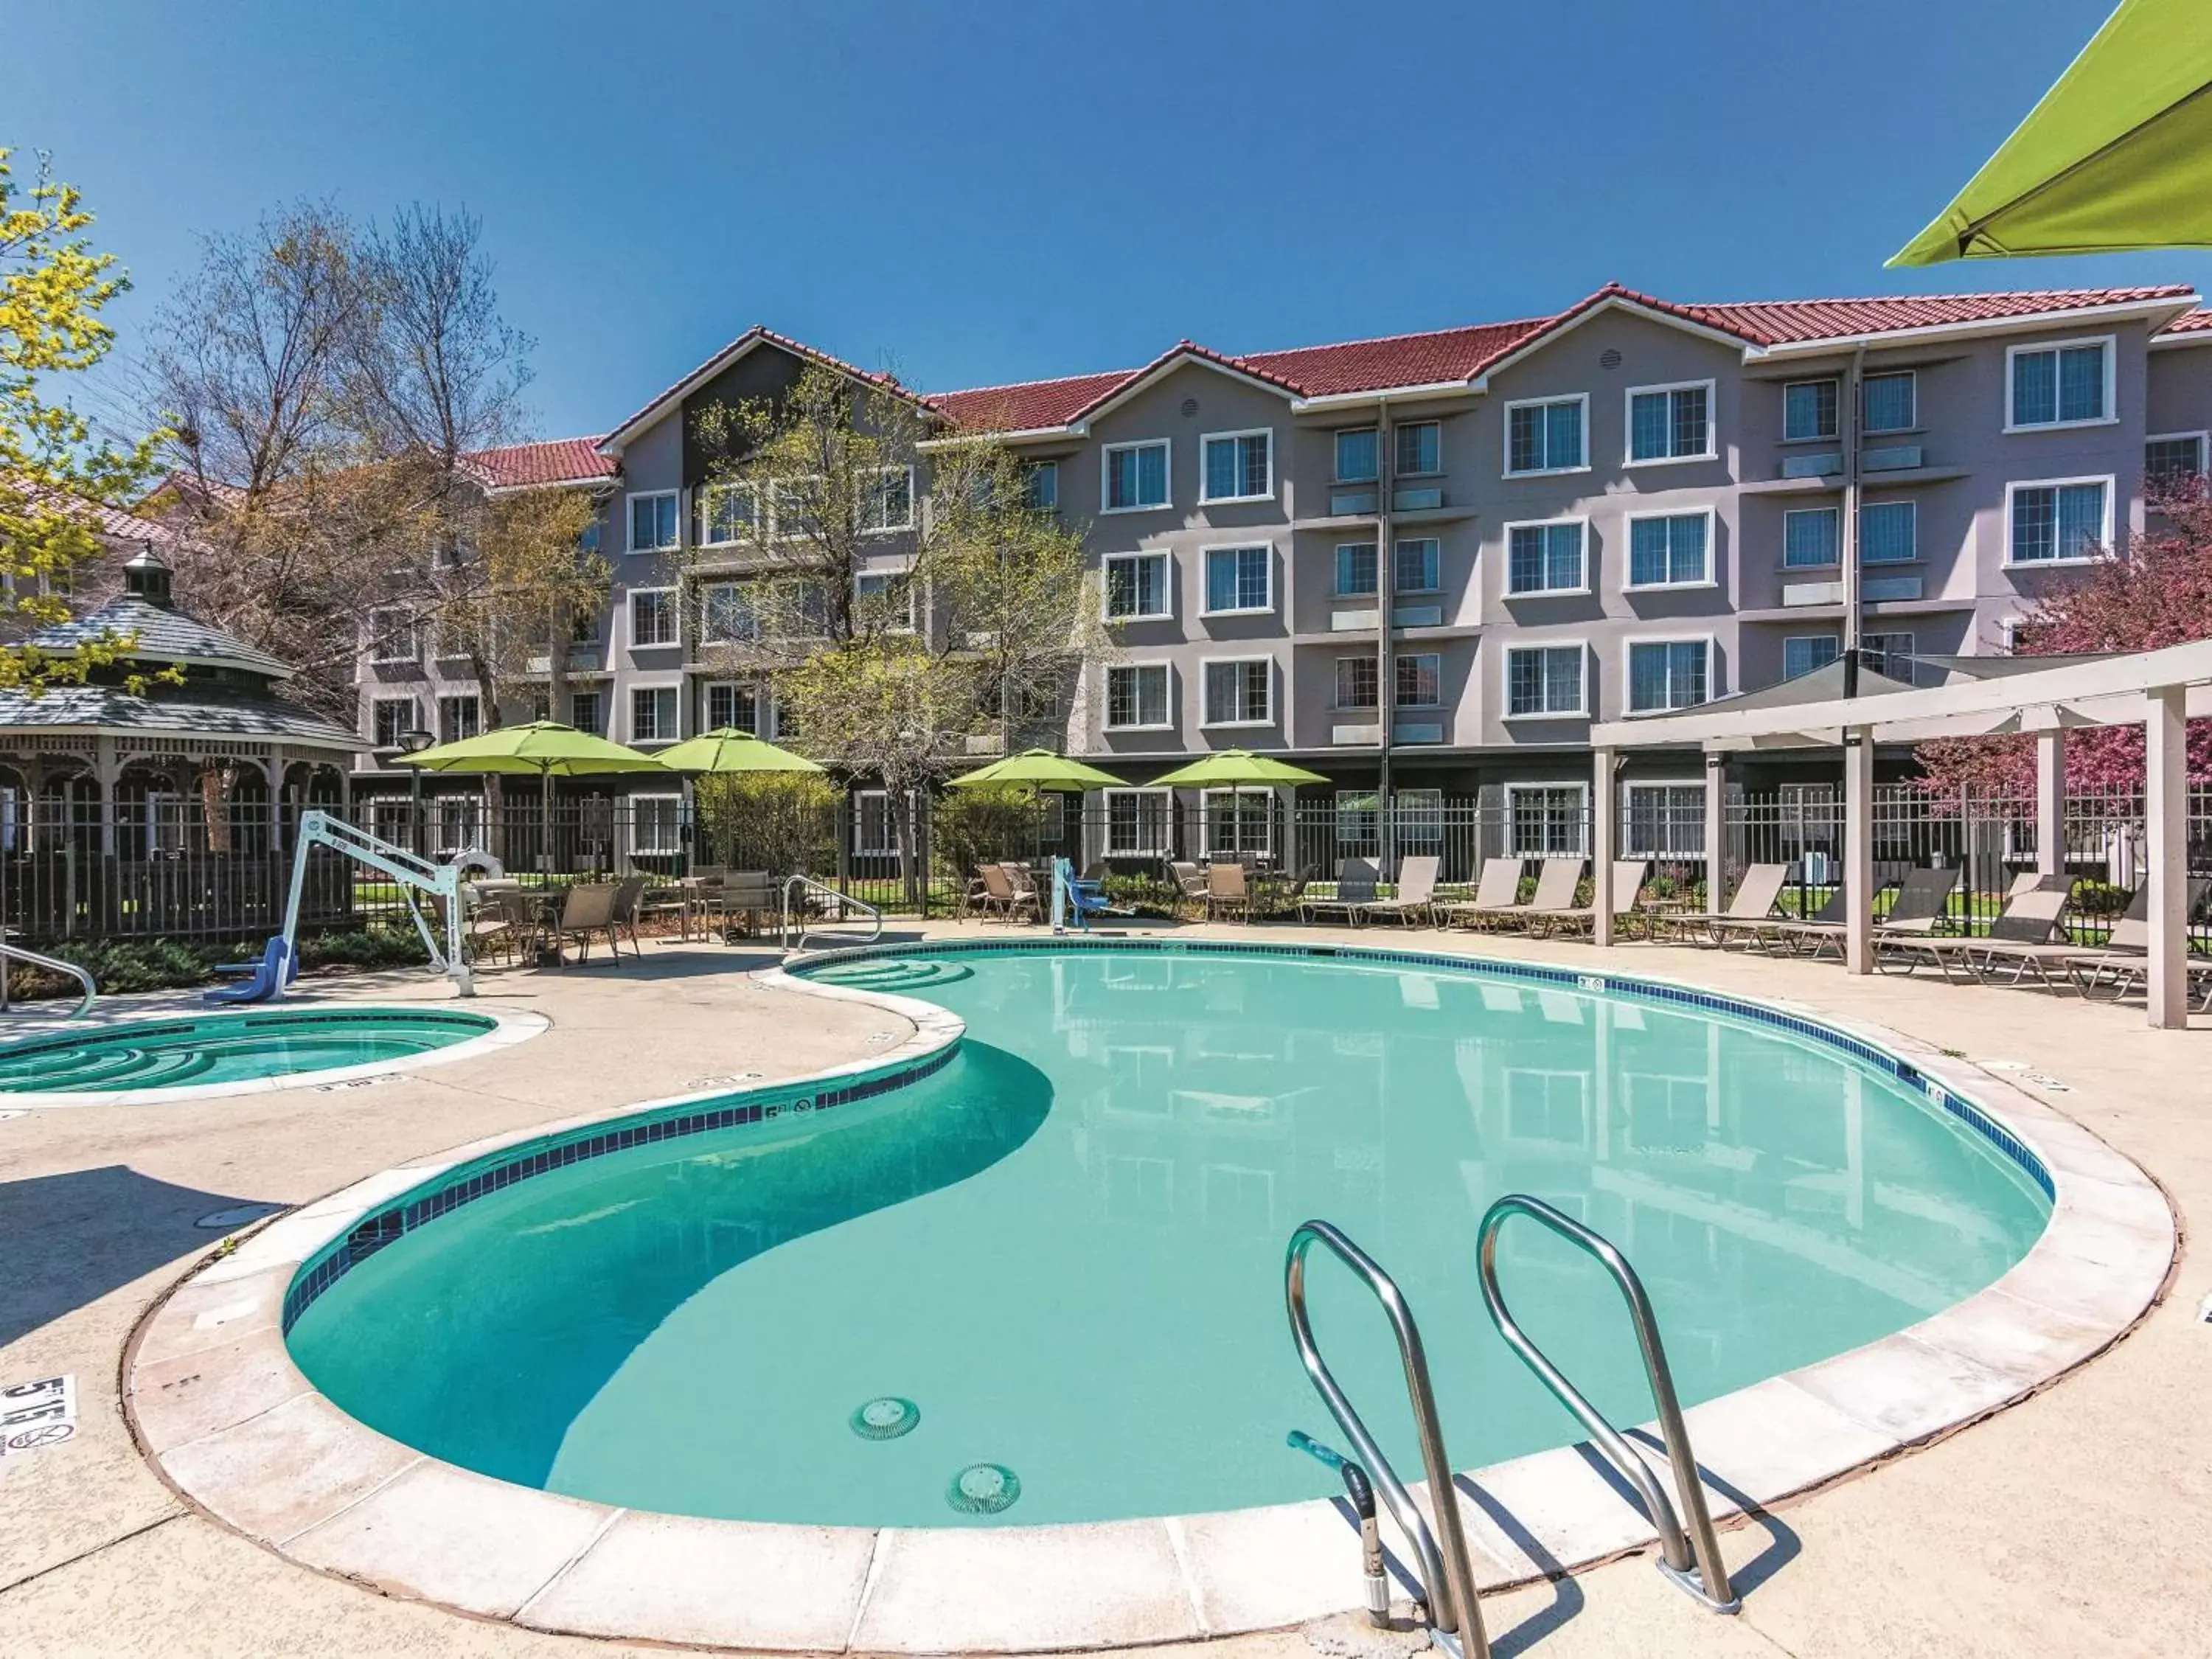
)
(186, 712)
(163, 636)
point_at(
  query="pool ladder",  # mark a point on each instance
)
(13, 952)
(1691, 1558)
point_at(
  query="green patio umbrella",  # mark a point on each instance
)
(726, 749)
(1038, 768)
(2118, 156)
(1235, 769)
(544, 749)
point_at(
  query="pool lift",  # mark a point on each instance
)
(1446, 1597)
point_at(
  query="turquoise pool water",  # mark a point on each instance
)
(217, 1048)
(1052, 1273)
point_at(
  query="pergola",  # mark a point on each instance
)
(2160, 690)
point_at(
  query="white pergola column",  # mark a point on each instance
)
(2050, 802)
(1605, 819)
(1715, 804)
(1858, 850)
(2166, 815)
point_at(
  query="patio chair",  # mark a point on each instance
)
(1556, 882)
(1027, 894)
(2028, 918)
(1922, 902)
(1751, 907)
(1189, 880)
(1629, 876)
(630, 895)
(586, 909)
(746, 900)
(1228, 892)
(1829, 924)
(1496, 892)
(1356, 880)
(492, 925)
(1416, 897)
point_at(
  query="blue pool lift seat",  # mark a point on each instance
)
(262, 980)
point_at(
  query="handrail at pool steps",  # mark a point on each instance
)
(805, 885)
(10, 951)
(1447, 1575)
(1705, 1577)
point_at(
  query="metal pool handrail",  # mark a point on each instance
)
(1448, 1577)
(1706, 1578)
(806, 884)
(53, 964)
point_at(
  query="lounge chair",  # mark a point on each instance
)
(1628, 878)
(2028, 918)
(1227, 892)
(1416, 897)
(1750, 909)
(1495, 892)
(2124, 954)
(1555, 893)
(586, 909)
(1356, 880)
(1923, 902)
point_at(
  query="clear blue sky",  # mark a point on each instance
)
(976, 193)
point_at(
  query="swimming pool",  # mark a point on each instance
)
(1042, 1282)
(212, 1053)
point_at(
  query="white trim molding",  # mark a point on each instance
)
(1106, 453)
(1208, 439)
(1505, 467)
(2108, 391)
(2013, 488)
(1629, 394)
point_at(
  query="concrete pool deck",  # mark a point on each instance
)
(2051, 1528)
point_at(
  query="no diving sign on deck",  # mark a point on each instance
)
(37, 1414)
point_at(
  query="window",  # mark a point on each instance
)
(726, 514)
(1419, 446)
(884, 598)
(1355, 569)
(652, 616)
(1667, 674)
(1239, 466)
(587, 712)
(1812, 536)
(1238, 579)
(652, 521)
(796, 505)
(2177, 456)
(1419, 677)
(1041, 486)
(456, 823)
(727, 616)
(1414, 569)
(2068, 384)
(730, 706)
(1670, 552)
(887, 501)
(1136, 587)
(394, 637)
(656, 825)
(1543, 680)
(1665, 820)
(1547, 435)
(1545, 558)
(459, 718)
(1240, 692)
(1136, 697)
(1357, 682)
(652, 714)
(1889, 654)
(1890, 402)
(2065, 519)
(1544, 819)
(1356, 456)
(1137, 822)
(392, 719)
(1801, 653)
(1670, 423)
(1358, 820)
(541, 705)
(1420, 820)
(1809, 410)
(1237, 821)
(1889, 532)
(1136, 476)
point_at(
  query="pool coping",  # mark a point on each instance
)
(215, 1401)
(509, 1027)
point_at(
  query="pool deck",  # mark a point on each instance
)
(2077, 1521)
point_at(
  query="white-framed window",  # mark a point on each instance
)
(1809, 409)
(391, 719)
(653, 616)
(1546, 682)
(656, 825)
(796, 505)
(652, 714)
(875, 832)
(1355, 570)
(1237, 466)
(1239, 691)
(652, 521)
(2058, 521)
(887, 596)
(1137, 587)
(1041, 486)
(1416, 565)
(456, 823)
(458, 717)
(2173, 455)
(727, 613)
(730, 705)
(1420, 820)
(728, 514)
(1547, 434)
(1669, 674)
(2065, 383)
(1239, 580)
(1136, 697)
(887, 501)
(1890, 402)
(1418, 447)
(1802, 654)
(1136, 821)
(1889, 653)
(1889, 532)
(1664, 820)
(587, 712)
(1421, 680)
(1670, 549)
(1546, 556)
(1237, 821)
(452, 633)
(1358, 680)
(1546, 820)
(1670, 423)
(1812, 537)
(394, 636)
(1358, 459)
(1134, 476)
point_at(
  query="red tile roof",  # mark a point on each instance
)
(2190, 322)
(1029, 403)
(1795, 322)
(558, 461)
(1450, 354)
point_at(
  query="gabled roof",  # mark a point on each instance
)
(2190, 322)
(1030, 404)
(162, 635)
(556, 461)
(756, 335)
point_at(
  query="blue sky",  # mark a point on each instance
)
(974, 193)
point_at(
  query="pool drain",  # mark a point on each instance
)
(886, 1419)
(983, 1489)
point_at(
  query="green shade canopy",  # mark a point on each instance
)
(726, 749)
(541, 749)
(1038, 768)
(2118, 156)
(1235, 769)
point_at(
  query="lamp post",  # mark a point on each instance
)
(413, 741)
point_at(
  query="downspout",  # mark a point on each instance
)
(1385, 562)
(1851, 414)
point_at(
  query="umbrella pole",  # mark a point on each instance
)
(545, 859)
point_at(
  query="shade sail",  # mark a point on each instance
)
(540, 749)
(726, 749)
(1040, 768)
(1235, 769)
(2118, 156)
